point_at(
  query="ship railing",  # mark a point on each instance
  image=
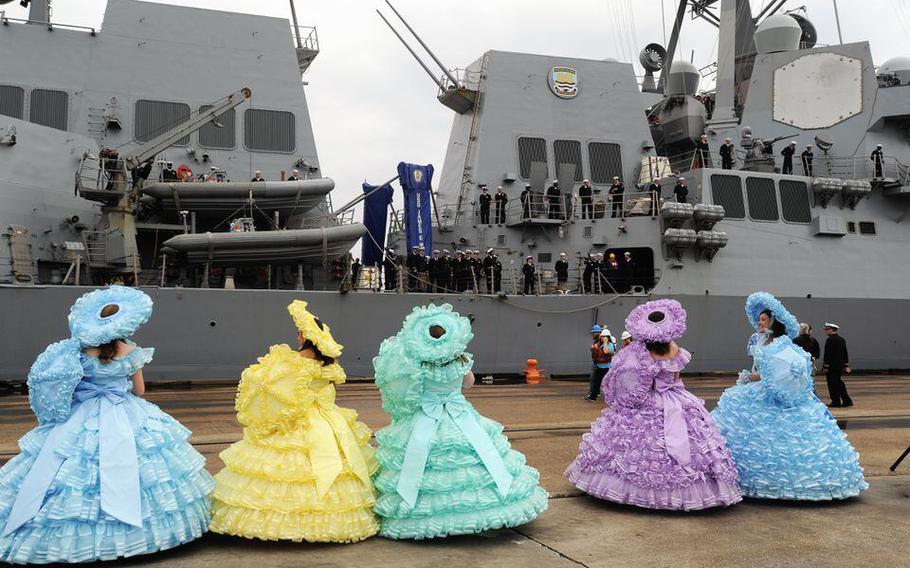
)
(100, 174)
(607, 281)
(306, 36)
(5, 20)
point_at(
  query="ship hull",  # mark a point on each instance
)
(211, 334)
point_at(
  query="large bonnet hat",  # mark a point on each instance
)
(758, 302)
(657, 321)
(306, 324)
(419, 341)
(134, 308)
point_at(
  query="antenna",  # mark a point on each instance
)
(414, 53)
(294, 18)
(424, 45)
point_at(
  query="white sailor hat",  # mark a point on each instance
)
(586, 180)
(616, 177)
(529, 257)
(435, 250)
(498, 187)
(793, 142)
(680, 179)
(832, 325)
(489, 250)
(878, 145)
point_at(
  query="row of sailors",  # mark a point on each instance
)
(442, 272)
(554, 201)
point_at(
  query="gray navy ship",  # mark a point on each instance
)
(108, 174)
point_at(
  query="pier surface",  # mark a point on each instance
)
(546, 422)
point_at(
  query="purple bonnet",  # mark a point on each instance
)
(657, 321)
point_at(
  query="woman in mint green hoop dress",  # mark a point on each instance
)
(105, 474)
(785, 443)
(444, 469)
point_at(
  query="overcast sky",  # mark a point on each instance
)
(372, 105)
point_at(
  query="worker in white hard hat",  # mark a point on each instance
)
(602, 351)
(626, 338)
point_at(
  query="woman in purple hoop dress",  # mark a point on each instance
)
(655, 446)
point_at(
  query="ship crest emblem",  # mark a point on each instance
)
(564, 82)
(418, 176)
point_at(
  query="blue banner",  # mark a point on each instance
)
(416, 182)
(375, 213)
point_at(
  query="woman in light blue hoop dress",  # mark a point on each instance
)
(105, 474)
(785, 443)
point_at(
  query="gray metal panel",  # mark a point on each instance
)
(794, 201)
(727, 190)
(268, 130)
(12, 101)
(605, 161)
(156, 117)
(49, 108)
(568, 152)
(223, 137)
(762, 199)
(531, 150)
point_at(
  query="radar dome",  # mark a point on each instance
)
(897, 66)
(683, 78)
(778, 33)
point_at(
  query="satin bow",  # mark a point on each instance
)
(434, 407)
(118, 462)
(676, 432)
(331, 436)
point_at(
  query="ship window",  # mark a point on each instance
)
(762, 199)
(794, 201)
(154, 118)
(544, 257)
(12, 101)
(588, 232)
(727, 191)
(269, 130)
(851, 227)
(605, 160)
(866, 228)
(213, 136)
(568, 152)
(500, 240)
(49, 108)
(531, 150)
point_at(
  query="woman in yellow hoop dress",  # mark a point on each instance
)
(302, 470)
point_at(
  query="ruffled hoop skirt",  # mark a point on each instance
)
(796, 452)
(268, 491)
(457, 495)
(71, 527)
(624, 459)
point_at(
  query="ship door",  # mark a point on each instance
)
(632, 272)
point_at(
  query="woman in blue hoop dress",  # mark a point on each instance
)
(784, 441)
(105, 474)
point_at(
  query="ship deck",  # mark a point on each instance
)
(546, 422)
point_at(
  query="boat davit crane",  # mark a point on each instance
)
(109, 185)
